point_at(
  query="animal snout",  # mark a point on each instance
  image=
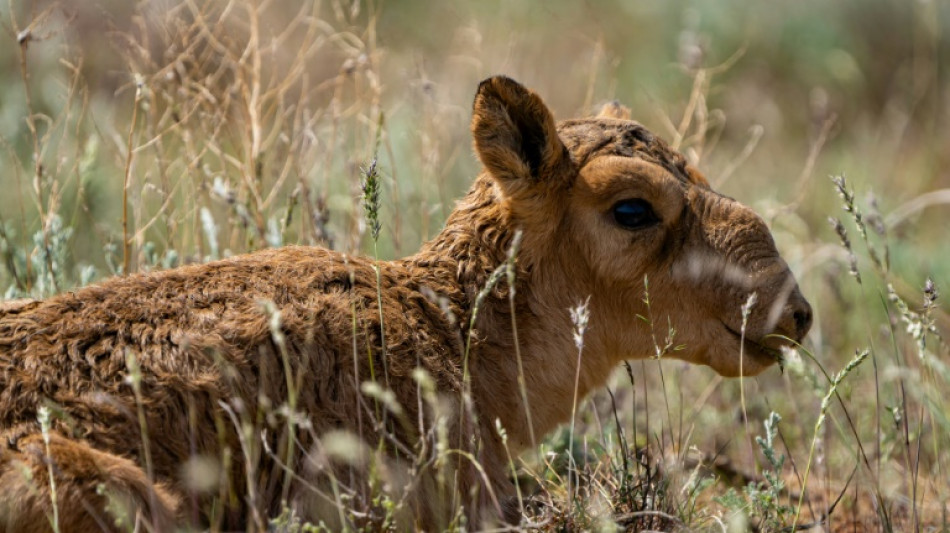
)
(796, 317)
(801, 316)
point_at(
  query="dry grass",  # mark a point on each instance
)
(190, 129)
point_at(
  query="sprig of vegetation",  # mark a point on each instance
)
(856, 361)
(43, 416)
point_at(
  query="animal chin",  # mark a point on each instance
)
(757, 356)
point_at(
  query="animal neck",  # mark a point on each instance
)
(475, 241)
(550, 356)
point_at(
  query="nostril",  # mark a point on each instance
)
(802, 319)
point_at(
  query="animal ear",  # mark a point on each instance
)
(515, 135)
(696, 176)
(614, 109)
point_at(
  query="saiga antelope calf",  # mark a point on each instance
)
(193, 356)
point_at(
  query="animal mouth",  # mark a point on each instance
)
(761, 353)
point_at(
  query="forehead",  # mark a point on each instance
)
(609, 177)
(591, 138)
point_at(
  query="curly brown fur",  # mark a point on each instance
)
(204, 341)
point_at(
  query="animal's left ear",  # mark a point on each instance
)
(614, 109)
(516, 136)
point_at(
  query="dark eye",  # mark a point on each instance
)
(634, 213)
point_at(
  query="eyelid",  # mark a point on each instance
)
(642, 217)
(642, 189)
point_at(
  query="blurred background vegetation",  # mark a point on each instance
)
(142, 135)
(861, 79)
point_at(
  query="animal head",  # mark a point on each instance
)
(609, 211)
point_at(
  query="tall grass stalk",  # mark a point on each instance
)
(277, 335)
(129, 155)
(511, 463)
(43, 415)
(659, 352)
(512, 293)
(580, 315)
(24, 37)
(371, 206)
(746, 311)
(859, 357)
(849, 206)
(354, 336)
(246, 438)
(493, 280)
(134, 378)
(465, 404)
